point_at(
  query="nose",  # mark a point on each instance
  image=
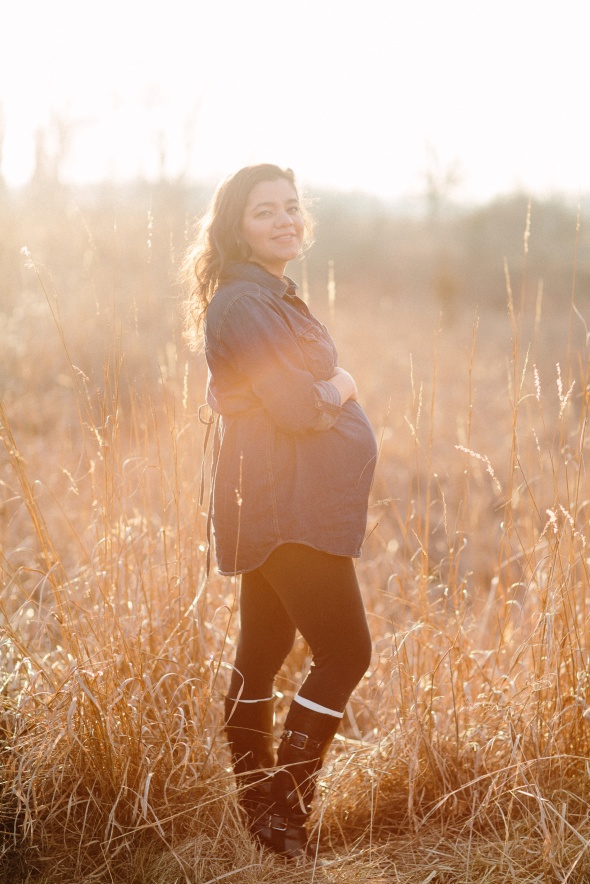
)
(283, 219)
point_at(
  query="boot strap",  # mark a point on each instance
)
(282, 835)
(300, 741)
(277, 822)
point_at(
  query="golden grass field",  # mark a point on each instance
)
(464, 754)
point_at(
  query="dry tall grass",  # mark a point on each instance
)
(464, 750)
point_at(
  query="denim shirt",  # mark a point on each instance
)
(292, 465)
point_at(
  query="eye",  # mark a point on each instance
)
(294, 210)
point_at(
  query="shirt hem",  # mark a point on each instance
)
(234, 572)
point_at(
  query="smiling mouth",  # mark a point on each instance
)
(285, 237)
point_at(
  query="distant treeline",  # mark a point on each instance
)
(136, 234)
(460, 256)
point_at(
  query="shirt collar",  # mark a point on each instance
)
(248, 270)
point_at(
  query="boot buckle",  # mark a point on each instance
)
(299, 740)
(278, 823)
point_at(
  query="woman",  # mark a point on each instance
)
(294, 461)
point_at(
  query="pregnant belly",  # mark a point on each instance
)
(331, 466)
(354, 431)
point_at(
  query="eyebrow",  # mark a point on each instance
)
(291, 201)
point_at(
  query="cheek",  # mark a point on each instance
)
(249, 233)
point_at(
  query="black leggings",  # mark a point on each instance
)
(317, 593)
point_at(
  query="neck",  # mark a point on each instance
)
(277, 270)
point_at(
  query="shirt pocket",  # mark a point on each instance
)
(318, 351)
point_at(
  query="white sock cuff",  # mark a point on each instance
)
(261, 700)
(315, 707)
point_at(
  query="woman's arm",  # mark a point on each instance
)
(255, 341)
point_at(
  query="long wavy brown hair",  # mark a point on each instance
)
(218, 241)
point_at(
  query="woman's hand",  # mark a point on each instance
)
(345, 384)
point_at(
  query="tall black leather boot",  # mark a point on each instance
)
(304, 743)
(249, 732)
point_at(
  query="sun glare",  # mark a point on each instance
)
(353, 101)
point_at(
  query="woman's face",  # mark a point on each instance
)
(272, 224)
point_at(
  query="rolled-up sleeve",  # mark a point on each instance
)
(258, 343)
(328, 402)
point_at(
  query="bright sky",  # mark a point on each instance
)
(354, 95)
